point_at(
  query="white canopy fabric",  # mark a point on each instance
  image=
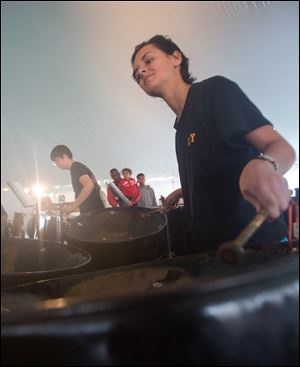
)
(66, 78)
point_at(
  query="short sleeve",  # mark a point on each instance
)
(80, 170)
(234, 115)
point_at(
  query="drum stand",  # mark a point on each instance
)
(163, 211)
(61, 219)
(169, 244)
(37, 233)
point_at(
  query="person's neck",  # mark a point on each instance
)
(175, 96)
(71, 161)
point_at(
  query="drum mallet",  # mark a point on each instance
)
(232, 251)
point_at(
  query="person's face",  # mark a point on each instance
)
(141, 180)
(154, 69)
(62, 162)
(114, 174)
(126, 175)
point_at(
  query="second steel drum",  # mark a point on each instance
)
(119, 236)
(24, 261)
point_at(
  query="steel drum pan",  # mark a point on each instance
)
(188, 310)
(119, 236)
(24, 261)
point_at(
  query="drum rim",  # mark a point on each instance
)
(72, 248)
(50, 310)
(71, 237)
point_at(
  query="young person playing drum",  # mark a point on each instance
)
(86, 188)
(231, 160)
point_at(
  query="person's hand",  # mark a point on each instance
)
(67, 209)
(264, 188)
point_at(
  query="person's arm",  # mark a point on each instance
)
(154, 203)
(111, 198)
(135, 190)
(135, 199)
(260, 183)
(87, 188)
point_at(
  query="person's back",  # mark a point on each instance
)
(93, 202)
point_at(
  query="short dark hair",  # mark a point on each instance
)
(127, 169)
(165, 44)
(114, 169)
(59, 151)
(140, 174)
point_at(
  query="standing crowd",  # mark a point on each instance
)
(87, 190)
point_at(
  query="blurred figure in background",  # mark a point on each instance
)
(104, 199)
(129, 187)
(147, 199)
(113, 200)
(85, 185)
(4, 220)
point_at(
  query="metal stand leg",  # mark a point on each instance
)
(37, 225)
(61, 225)
(169, 244)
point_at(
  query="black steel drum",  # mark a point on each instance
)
(119, 236)
(24, 261)
(189, 310)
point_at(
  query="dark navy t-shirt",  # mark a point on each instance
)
(94, 201)
(212, 151)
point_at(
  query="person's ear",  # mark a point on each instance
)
(177, 58)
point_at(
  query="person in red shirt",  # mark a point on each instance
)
(111, 198)
(129, 187)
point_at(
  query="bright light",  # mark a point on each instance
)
(57, 187)
(27, 190)
(38, 190)
(292, 176)
(5, 189)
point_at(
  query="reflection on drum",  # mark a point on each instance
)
(33, 226)
(24, 260)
